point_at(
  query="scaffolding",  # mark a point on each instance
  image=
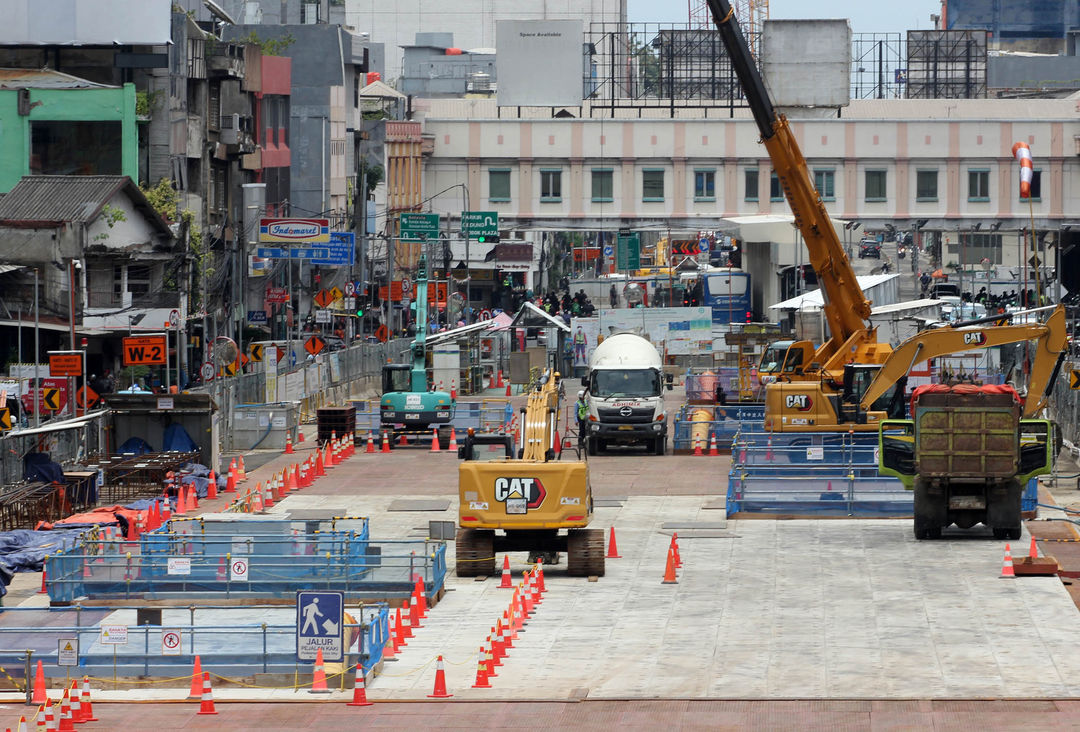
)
(946, 64)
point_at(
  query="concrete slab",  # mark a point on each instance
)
(431, 504)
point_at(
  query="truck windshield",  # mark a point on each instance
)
(630, 383)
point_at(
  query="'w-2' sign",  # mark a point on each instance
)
(146, 350)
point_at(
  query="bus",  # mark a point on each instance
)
(724, 290)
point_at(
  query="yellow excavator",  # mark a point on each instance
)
(873, 393)
(522, 498)
(826, 388)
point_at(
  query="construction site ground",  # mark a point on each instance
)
(786, 623)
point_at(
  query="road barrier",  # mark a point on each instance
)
(693, 422)
(233, 649)
(247, 559)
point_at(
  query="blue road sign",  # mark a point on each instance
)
(320, 621)
(703, 246)
(256, 316)
(338, 253)
(608, 250)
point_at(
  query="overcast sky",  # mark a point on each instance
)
(866, 16)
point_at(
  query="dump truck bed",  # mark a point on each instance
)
(967, 435)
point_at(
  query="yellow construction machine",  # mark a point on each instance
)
(522, 498)
(871, 393)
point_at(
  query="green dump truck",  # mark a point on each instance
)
(967, 455)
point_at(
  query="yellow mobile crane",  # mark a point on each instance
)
(526, 494)
(812, 389)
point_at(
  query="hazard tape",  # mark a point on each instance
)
(481, 559)
(13, 681)
(1058, 541)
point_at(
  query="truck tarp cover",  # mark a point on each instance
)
(961, 389)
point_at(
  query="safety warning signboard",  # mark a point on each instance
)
(67, 652)
(171, 644)
(238, 570)
(146, 350)
(67, 363)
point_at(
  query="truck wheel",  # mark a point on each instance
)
(585, 553)
(1003, 512)
(928, 513)
(659, 445)
(475, 552)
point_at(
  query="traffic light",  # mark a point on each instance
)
(488, 239)
(359, 311)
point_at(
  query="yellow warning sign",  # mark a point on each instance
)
(1074, 379)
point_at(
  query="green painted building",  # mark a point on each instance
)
(53, 123)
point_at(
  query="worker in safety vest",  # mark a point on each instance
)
(582, 407)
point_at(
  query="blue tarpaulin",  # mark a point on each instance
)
(135, 446)
(178, 440)
(23, 550)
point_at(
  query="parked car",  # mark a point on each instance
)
(870, 248)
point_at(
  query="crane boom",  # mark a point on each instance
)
(846, 308)
(418, 376)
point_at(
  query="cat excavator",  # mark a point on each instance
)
(521, 497)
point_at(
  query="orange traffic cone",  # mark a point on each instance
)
(87, 704)
(370, 444)
(230, 480)
(181, 507)
(435, 439)
(318, 677)
(669, 570)
(211, 486)
(359, 694)
(612, 547)
(713, 452)
(1033, 551)
(697, 447)
(407, 629)
(481, 672)
(675, 550)
(558, 443)
(196, 680)
(75, 703)
(508, 388)
(453, 440)
(241, 472)
(299, 435)
(66, 722)
(207, 696)
(41, 696)
(288, 443)
(1007, 567)
(328, 455)
(385, 443)
(414, 613)
(297, 482)
(507, 582)
(42, 591)
(193, 497)
(320, 469)
(50, 720)
(403, 440)
(400, 639)
(440, 682)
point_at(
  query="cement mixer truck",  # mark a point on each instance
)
(624, 391)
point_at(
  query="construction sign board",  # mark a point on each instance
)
(86, 397)
(51, 399)
(320, 621)
(1074, 379)
(67, 651)
(256, 352)
(113, 635)
(146, 350)
(314, 345)
(323, 298)
(5, 419)
(65, 364)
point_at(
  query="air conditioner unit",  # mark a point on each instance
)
(230, 129)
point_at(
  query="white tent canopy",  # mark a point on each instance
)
(815, 300)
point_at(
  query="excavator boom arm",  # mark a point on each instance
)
(1049, 337)
(541, 416)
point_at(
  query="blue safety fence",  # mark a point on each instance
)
(701, 385)
(259, 563)
(722, 422)
(226, 640)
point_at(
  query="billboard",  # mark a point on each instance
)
(86, 23)
(539, 63)
(807, 63)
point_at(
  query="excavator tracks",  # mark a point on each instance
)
(475, 552)
(585, 553)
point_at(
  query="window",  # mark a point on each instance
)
(978, 185)
(875, 185)
(825, 182)
(602, 185)
(498, 184)
(750, 176)
(704, 185)
(974, 247)
(926, 185)
(1036, 185)
(76, 148)
(775, 193)
(652, 184)
(137, 280)
(550, 185)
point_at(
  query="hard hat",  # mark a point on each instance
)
(581, 393)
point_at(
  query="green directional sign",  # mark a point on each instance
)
(628, 252)
(480, 223)
(415, 224)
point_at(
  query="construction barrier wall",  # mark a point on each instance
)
(277, 558)
(64, 446)
(231, 647)
(721, 422)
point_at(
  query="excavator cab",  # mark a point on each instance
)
(857, 379)
(784, 359)
(396, 377)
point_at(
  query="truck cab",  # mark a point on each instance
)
(624, 391)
